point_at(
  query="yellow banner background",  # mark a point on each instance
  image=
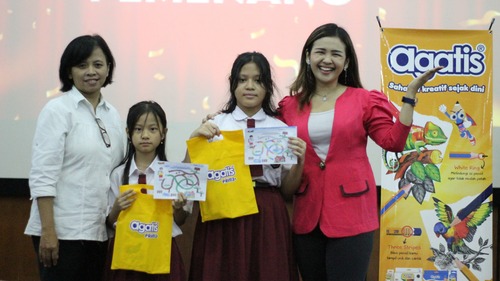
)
(445, 164)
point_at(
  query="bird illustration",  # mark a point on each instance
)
(463, 226)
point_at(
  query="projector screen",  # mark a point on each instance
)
(179, 53)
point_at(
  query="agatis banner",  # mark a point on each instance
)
(436, 198)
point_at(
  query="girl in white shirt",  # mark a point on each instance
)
(254, 247)
(146, 130)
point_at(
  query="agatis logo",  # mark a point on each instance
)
(462, 60)
(150, 230)
(217, 175)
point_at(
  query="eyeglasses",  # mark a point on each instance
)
(104, 133)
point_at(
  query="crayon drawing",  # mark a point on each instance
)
(174, 178)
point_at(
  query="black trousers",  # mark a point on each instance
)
(333, 259)
(79, 260)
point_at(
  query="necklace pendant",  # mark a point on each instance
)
(324, 98)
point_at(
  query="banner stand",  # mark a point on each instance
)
(436, 220)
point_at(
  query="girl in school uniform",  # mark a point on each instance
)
(253, 247)
(146, 130)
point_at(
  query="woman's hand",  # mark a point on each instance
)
(48, 250)
(420, 81)
(298, 147)
(406, 113)
(292, 180)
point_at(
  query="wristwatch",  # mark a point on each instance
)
(409, 101)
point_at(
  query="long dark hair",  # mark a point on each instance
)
(134, 113)
(80, 49)
(305, 83)
(265, 77)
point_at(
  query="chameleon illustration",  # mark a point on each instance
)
(418, 138)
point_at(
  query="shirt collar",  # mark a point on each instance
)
(135, 170)
(78, 98)
(239, 115)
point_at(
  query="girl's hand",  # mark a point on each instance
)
(180, 202)
(298, 147)
(122, 202)
(207, 130)
(210, 116)
(125, 200)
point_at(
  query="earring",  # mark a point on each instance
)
(345, 74)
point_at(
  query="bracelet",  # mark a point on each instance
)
(410, 101)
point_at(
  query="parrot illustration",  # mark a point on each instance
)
(461, 119)
(463, 226)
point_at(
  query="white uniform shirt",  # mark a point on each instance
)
(71, 163)
(237, 120)
(133, 178)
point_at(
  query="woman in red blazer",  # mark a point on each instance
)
(335, 210)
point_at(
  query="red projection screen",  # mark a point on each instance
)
(179, 53)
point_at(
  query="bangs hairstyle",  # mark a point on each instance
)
(265, 78)
(134, 113)
(77, 51)
(305, 83)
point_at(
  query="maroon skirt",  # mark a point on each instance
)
(249, 248)
(177, 270)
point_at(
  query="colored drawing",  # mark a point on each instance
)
(458, 231)
(416, 165)
(269, 145)
(174, 178)
(417, 140)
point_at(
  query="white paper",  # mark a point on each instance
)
(269, 145)
(173, 178)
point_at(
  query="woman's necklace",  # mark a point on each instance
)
(324, 97)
